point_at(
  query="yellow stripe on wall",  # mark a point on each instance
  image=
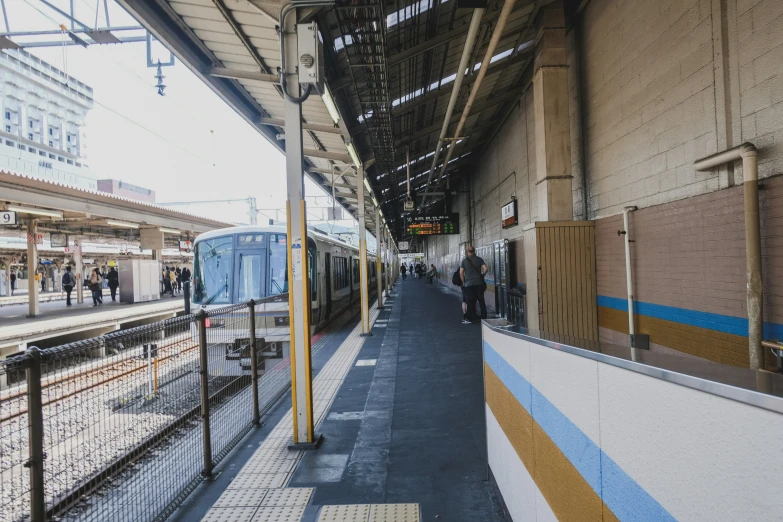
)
(708, 344)
(568, 494)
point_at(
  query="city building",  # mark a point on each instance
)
(43, 113)
(126, 190)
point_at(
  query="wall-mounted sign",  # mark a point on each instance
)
(45, 164)
(433, 225)
(508, 214)
(58, 240)
(8, 218)
(404, 245)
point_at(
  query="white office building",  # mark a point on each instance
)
(43, 113)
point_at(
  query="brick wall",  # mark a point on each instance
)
(760, 61)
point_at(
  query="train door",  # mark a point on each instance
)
(501, 274)
(351, 277)
(250, 265)
(328, 289)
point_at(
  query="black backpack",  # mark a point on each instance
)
(67, 279)
(456, 279)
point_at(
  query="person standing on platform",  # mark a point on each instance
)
(178, 272)
(431, 274)
(96, 287)
(173, 281)
(13, 282)
(114, 282)
(404, 272)
(69, 281)
(472, 271)
(167, 282)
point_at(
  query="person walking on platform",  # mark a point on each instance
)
(69, 281)
(13, 282)
(472, 271)
(114, 282)
(431, 274)
(96, 287)
(403, 271)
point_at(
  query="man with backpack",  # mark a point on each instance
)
(69, 281)
(472, 271)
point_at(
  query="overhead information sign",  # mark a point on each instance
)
(404, 245)
(433, 225)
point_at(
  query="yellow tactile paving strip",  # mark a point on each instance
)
(370, 513)
(258, 492)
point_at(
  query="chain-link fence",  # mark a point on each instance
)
(124, 426)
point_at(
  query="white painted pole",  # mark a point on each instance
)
(298, 287)
(363, 280)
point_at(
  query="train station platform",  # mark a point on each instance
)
(58, 323)
(402, 415)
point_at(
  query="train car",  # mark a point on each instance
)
(234, 265)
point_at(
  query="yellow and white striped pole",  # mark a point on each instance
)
(296, 243)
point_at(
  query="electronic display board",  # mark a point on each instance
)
(433, 225)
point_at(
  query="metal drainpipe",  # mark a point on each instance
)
(628, 273)
(749, 155)
(493, 43)
(470, 41)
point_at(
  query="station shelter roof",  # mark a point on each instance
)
(391, 67)
(94, 215)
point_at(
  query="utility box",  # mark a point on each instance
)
(560, 277)
(310, 54)
(139, 280)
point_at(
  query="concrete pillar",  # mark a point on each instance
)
(552, 119)
(33, 286)
(79, 270)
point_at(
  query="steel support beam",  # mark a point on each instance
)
(306, 126)
(496, 67)
(336, 156)
(236, 74)
(296, 213)
(363, 279)
(79, 269)
(33, 306)
(378, 257)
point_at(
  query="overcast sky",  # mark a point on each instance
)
(186, 146)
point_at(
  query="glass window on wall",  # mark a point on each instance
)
(278, 264)
(250, 277)
(213, 271)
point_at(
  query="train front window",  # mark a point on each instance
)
(250, 277)
(213, 271)
(278, 264)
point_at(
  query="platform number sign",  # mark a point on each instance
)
(8, 218)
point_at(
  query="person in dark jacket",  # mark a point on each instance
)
(13, 283)
(404, 272)
(114, 281)
(69, 281)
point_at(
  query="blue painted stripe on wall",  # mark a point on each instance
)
(718, 322)
(621, 493)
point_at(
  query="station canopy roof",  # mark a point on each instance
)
(390, 69)
(96, 215)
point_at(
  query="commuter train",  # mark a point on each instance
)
(234, 265)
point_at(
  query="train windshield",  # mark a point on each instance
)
(213, 271)
(278, 264)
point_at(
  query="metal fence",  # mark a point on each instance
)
(124, 426)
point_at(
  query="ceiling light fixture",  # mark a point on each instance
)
(121, 224)
(35, 211)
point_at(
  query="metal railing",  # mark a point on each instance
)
(516, 309)
(124, 426)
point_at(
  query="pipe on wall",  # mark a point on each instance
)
(748, 153)
(629, 273)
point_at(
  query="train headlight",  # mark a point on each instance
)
(282, 321)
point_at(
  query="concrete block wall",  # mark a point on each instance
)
(653, 86)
